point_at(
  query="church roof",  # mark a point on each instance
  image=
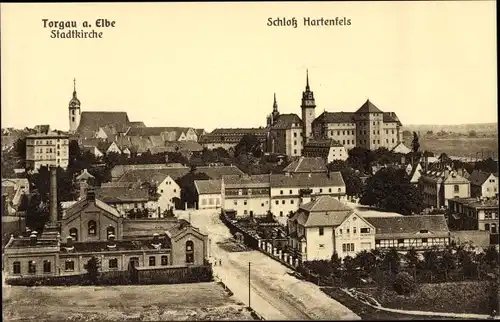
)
(368, 107)
(90, 122)
(287, 121)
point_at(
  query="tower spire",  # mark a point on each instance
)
(307, 80)
(275, 104)
(74, 87)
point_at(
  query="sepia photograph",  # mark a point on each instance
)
(197, 161)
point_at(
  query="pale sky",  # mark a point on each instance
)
(208, 65)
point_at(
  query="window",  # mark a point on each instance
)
(487, 227)
(291, 191)
(283, 201)
(281, 213)
(72, 119)
(16, 268)
(152, 261)
(189, 252)
(291, 201)
(295, 142)
(364, 230)
(262, 205)
(31, 267)
(281, 192)
(340, 190)
(92, 231)
(113, 263)
(321, 231)
(235, 202)
(424, 231)
(46, 266)
(69, 265)
(348, 230)
(340, 231)
(401, 241)
(110, 231)
(73, 232)
(344, 248)
(320, 190)
(329, 189)
(493, 228)
(244, 202)
(164, 260)
(321, 245)
(354, 230)
(456, 188)
(424, 240)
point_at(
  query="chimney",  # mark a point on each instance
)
(53, 195)
(33, 240)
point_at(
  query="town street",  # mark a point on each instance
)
(273, 293)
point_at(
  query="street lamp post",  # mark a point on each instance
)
(249, 306)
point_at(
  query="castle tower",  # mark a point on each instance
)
(74, 110)
(308, 111)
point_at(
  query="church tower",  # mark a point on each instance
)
(74, 111)
(308, 111)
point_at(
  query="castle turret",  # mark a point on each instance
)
(308, 107)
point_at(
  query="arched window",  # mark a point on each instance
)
(32, 267)
(110, 231)
(189, 252)
(92, 228)
(73, 232)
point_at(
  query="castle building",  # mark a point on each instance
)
(368, 127)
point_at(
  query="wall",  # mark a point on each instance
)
(345, 133)
(337, 153)
(449, 193)
(259, 205)
(202, 273)
(24, 259)
(179, 249)
(361, 241)
(490, 188)
(208, 201)
(168, 190)
(314, 251)
(80, 222)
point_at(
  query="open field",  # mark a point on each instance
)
(458, 297)
(459, 147)
(175, 302)
(367, 312)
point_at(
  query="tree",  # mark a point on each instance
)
(93, 265)
(392, 261)
(444, 158)
(412, 258)
(390, 189)
(415, 144)
(353, 183)
(20, 150)
(430, 132)
(361, 159)
(472, 134)
(366, 260)
(336, 263)
(431, 261)
(404, 283)
(188, 189)
(447, 262)
(249, 144)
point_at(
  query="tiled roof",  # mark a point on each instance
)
(83, 203)
(208, 186)
(335, 117)
(48, 135)
(122, 194)
(121, 245)
(401, 148)
(173, 133)
(441, 176)
(217, 172)
(325, 204)
(190, 146)
(253, 181)
(307, 180)
(90, 122)
(390, 117)
(137, 124)
(320, 143)
(287, 121)
(233, 135)
(478, 177)
(148, 175)
(407, 226)
(307, 164)
(477, 202)
(368, 107)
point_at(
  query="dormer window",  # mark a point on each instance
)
(424, 231)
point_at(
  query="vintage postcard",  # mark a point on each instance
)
(249, 161)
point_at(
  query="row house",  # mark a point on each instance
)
(229, 138)
(209, 193)
(483, 184)
(326, 225)
(474, 214)
(438, 186)
(47, 149)
(278, 193)
(328, 149)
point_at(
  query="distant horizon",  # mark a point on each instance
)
(217, 65)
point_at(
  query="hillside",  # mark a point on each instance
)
(456, 128)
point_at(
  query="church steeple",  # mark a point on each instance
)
(275, 104)
(74, 110)
(74, 87)
(307, 80)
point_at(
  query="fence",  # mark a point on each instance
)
(174, 275)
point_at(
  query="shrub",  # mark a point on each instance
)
(404, 283)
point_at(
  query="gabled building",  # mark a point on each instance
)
(441, 185)
(209, 193)
(474, 214)
(401, 148)
(483, 184)
(326, 225)
(129, 198)
(91, 228)
(229, 138)
(328, 149)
